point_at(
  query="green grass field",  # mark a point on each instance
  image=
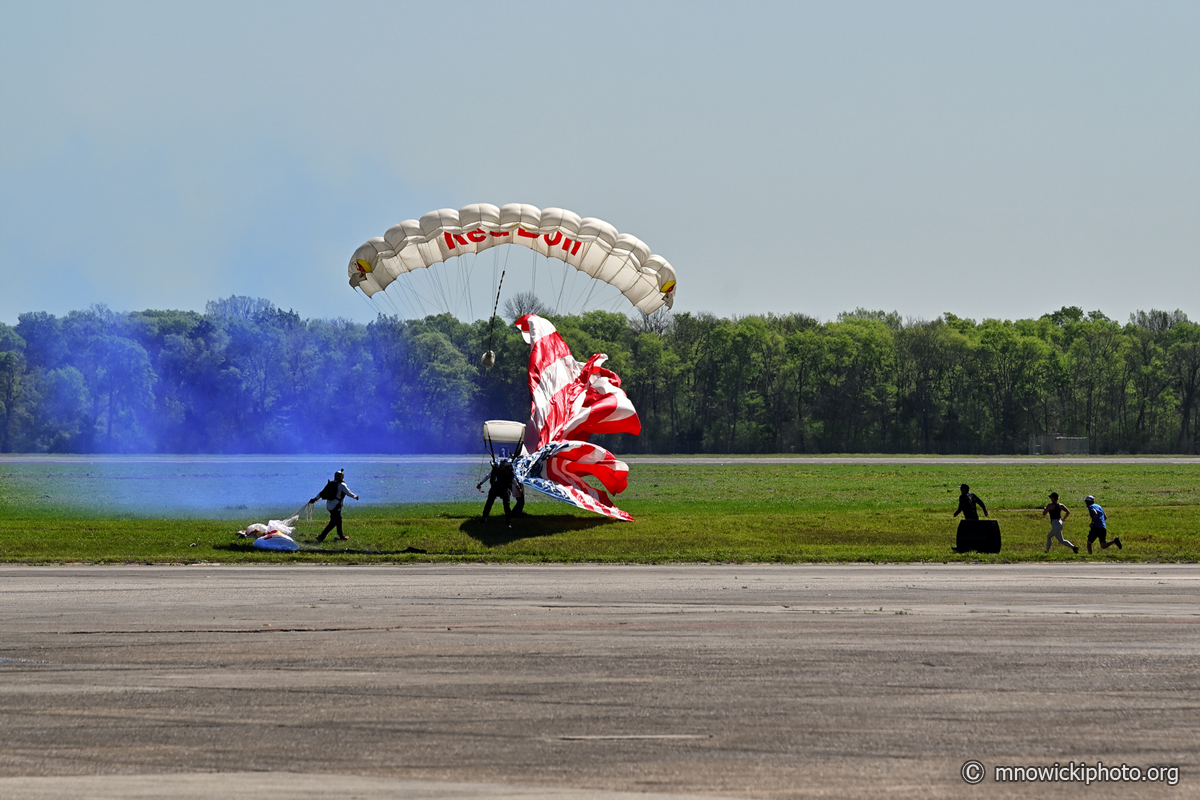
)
(693, 513)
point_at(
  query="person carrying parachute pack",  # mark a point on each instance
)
(334, 494)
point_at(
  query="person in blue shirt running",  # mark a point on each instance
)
(1099, 529)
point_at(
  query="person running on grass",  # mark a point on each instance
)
(1058, 515)
(334, 494)
(1099, 528)
(967, 502)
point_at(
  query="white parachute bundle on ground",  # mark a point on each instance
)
(275, 535)
(592, 246)
(276, 541)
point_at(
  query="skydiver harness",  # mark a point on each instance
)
(501, 478)
(330, 492)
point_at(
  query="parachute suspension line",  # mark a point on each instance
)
(579, 291)
(492, 320)
(470, 287)
(489, 356)
(437, 283)
(462, 298)
(503, 271)
(444, 288)
(448, 281)
(456, 278)
(416, 295)
(615, 303)
(468, 283)
(578, 288)
(491, 259)
(411, 300)
(533, 273)
(484, 469)
(555, 295)
(570, 281)
(464, 286)
(391, 305)
(492, 285)
(562, 287)
(370, 303)
(411, 296)
(426, 289)
(590, 291)
(385, 299)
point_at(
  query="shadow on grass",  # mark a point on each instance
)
(492, 533)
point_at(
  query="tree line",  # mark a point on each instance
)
(247, 377)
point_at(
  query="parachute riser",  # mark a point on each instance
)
(488, 360)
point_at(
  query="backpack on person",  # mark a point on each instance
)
(330, 492)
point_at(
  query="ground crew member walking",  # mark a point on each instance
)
(334, 494)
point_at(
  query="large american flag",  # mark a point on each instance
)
(558, 470)
(570, 402)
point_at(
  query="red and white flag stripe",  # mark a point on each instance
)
(565, 465)
(570, 400)
(577, 459)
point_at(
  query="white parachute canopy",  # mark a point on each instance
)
(276, 541)
(590, 245)
(275, 535)
(505, 434)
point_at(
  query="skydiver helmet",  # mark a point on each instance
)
(1089, 500)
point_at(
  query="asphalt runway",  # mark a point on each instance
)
(605, 682)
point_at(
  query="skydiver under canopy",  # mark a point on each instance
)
(501, 480)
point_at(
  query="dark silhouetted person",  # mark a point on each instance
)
(1099, 528)
(334, 494)
(518, 493)
(967, 502)
(500, 485)
(1058, 515)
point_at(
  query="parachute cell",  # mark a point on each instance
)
(590, 245)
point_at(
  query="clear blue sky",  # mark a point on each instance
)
(991, 159)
